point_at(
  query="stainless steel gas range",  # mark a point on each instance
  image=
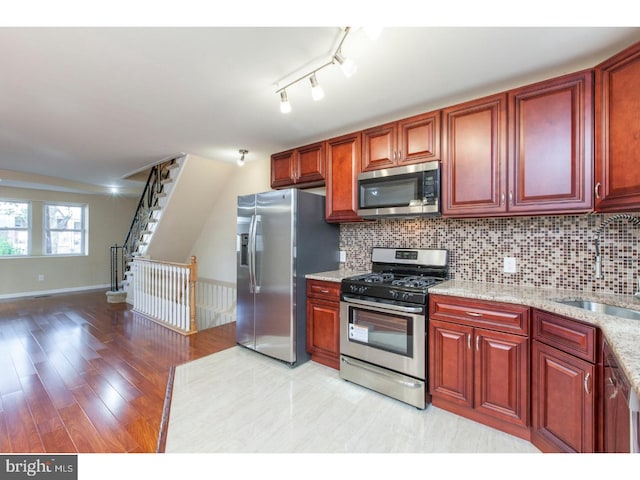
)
(383, 322)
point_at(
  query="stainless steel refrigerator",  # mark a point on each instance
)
(281, 236)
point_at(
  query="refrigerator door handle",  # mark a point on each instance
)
(252, 253)
(253, 236)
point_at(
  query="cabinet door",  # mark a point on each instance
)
(343, 166)
(550, 158)
(379, 147)
(617, 100)
(474, 151)
(419, 138)
(323, 331)
(283, 169)
(563, 408)
(502, 376)
(311, 164)
(451, 362)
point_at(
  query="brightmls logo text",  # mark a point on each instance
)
(41, 467)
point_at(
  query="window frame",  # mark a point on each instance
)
(83, 230)
(28, 228)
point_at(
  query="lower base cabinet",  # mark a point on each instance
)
(564, 384)
(323, 322)
(475, 369)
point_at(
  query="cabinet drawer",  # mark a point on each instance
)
(323, 289)
(566, 334)
(506, 317)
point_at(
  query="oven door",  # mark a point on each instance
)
(391, 336)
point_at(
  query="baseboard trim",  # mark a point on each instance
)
(57, 291)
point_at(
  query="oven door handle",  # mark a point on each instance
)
(398, 308)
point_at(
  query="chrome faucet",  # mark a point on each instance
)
(598, 261)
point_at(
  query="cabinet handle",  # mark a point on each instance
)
(478, 343)
(502, 198)
(324, 291)
(586, 384)
(510, 197)
(469, 342)
(597, 190)
(473, 314)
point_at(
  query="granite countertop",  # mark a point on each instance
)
(623, 335)
(335, 275)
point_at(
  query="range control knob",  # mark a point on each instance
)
(394, 294)
(361, 290)
(406, 295)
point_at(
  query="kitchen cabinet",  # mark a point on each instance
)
(479, 361)
(617, 132)
(300, 167)
(474, 151)
(343, 166)
(548, 165)
(616, 414)
(564, 384)
(411, 140)
(323, 322)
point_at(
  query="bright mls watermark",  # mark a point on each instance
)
(41, 467)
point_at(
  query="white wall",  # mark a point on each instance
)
(109, 221)
(215, 247)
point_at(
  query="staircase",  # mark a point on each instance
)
(176, 201)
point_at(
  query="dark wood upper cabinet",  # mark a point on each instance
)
(300, 167)
(411, 140)
(617, 132)
(474, 152)
(343, 166)
(548, 166)
(551, 146)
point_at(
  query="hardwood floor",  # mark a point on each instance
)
(80, 375)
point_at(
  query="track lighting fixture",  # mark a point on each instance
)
(317, 93)
(316, 90)
(242, 153)
(285, 106)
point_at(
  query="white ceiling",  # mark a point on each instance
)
(93, 105)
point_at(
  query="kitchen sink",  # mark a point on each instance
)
(603, 308)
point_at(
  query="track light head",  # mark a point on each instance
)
(346, 64)
(317, 93)
(285, 106)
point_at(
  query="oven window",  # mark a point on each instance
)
(393, 333)
(396, 192)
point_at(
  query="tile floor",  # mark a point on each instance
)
(238, 401)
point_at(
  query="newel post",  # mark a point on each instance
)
(193, 276)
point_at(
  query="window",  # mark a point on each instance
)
(14, 228)
(65, 229)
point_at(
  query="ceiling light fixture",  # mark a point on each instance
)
(285, 106)
(347, 65)
(242, 153)
(316, 90)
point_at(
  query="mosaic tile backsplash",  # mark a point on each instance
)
(550, 251)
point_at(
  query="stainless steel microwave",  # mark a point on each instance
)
(411, 190)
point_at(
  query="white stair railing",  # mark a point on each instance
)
(165, 293)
